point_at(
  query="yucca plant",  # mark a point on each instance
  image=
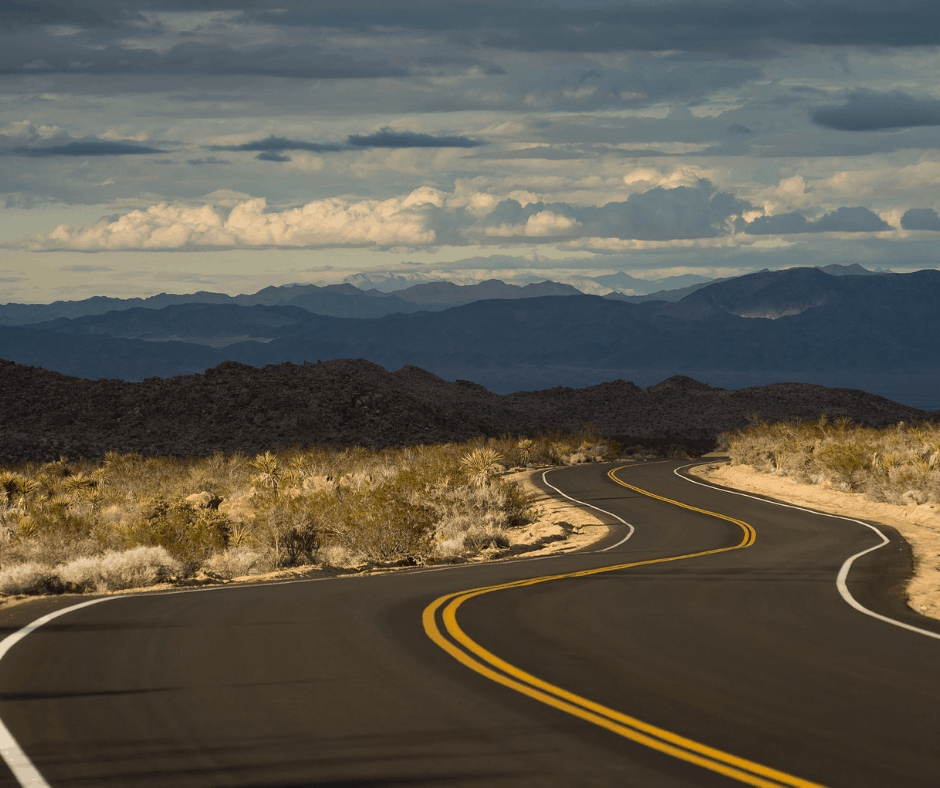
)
(480, 465)
(269, 471)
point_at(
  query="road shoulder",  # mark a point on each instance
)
(918, 525)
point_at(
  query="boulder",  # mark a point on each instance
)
(204, 500)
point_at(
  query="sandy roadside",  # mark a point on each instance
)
(560, 526)
(919, 525)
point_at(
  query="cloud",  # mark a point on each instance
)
(425, 217)
(74, 13)
(387, 138)
(920, 219)
(659, 214)
(429, 217)
(842, 220)
(730, 26)
(274, 144)
(92, 147)
(85, 269)
(207, 160)
(866, 110)
(248, 224)
(36, 53)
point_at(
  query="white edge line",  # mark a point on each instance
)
(843, 575)
(26, 773)
(630, 528)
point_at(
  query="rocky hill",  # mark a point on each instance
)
(234, 407)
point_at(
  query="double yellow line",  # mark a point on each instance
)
(440, 624)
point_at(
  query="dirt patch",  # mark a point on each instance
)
(919, 525)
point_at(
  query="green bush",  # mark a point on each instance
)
(190, 535)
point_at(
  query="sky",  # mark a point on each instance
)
(169, 146)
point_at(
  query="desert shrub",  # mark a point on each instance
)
(899, 464)
(299, 505)
(291, 529)
(386, 524)
(189, 534)
(31, 578)
(119, 570)
(239, 562)
(480, 538)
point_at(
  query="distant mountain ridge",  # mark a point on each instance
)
(342, 300)
(875, 332)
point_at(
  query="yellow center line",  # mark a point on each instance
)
(468, 652)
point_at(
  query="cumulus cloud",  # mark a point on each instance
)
(842, 220)
(920, 219)
(866, 110)
(659, 214)
(248, 224)
(425, 217)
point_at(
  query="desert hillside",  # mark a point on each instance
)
(234, 407)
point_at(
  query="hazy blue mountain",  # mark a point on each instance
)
(622, 281)
(438, 293)
(342, 300)
(872, 332)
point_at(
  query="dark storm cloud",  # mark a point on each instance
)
(279, 144)
(920, 219)
(721, 28)
(75, 13)
(387, 138)
(34, 53)
(87, 148)
(842, 220)
(866, 110)
(272, 156)
(725, 26)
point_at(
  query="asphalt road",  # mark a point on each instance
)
(741, 663)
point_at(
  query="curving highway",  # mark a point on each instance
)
(705, 641)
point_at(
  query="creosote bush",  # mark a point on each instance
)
(131, 520)
(899, 464)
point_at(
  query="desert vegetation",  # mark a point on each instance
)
(899, 464)
(130, 520)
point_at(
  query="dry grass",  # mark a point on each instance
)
(130, 521)
(897, 465)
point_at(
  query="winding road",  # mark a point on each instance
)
(707, 640)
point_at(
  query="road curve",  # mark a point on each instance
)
(746, 649)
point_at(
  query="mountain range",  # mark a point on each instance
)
(845, 327)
